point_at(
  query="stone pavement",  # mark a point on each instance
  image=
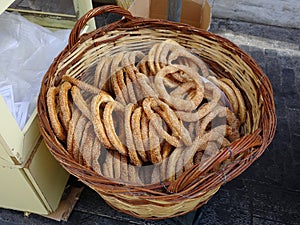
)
(268, 192)
(283, 13)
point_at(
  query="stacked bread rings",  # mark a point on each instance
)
(145, 117)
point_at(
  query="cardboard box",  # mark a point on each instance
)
(193, 12)
(31, 179)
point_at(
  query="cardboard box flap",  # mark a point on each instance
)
(194, 12)
(5, 4)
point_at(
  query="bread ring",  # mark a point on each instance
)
(166, 150)
(172, 121)
(80, 102)
(205, 108)
(65, 110)
(154, 145)
(143, 67)
(108, 122)
(86, 144)
(96, 152)
(153, 63)
(71, 129)
(242, 108)
(82, 85)
(156, 121)
(162, 110)
(132, 152)
(108, 168)
(155, 176)
(53, 115)
(211, 149)
(176, 102)
(133, 173)
(200, 143)
(97, 120)
(145, 85)
(78, 136)
(174, 157)
(172, 51)
(124, 169)
(130, 90)
(137, 134)
(117, 165)
(119, 87)
(102, 73)
(116, 63)
(145, 132)
(228, 92)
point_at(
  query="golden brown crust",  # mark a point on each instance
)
(98, 121)
(71, 130)
(65, 110)
(78, 136)
(108, 123)
(53, 114)
(171, 167)
(132, 152)
(96, 154)
(124, 169)
(241, 103)
(137, 134)
(80, 102)
(86, 144)
(154, 144)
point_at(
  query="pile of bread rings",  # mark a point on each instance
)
(144, 117)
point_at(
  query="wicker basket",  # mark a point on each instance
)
(197, 185)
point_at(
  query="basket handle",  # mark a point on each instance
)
(79, 25)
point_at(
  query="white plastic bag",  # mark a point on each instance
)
(26, 52)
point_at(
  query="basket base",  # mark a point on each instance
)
(154, 209)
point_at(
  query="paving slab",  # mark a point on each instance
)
(284, 13)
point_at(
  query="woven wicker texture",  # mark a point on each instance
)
(195, 186)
